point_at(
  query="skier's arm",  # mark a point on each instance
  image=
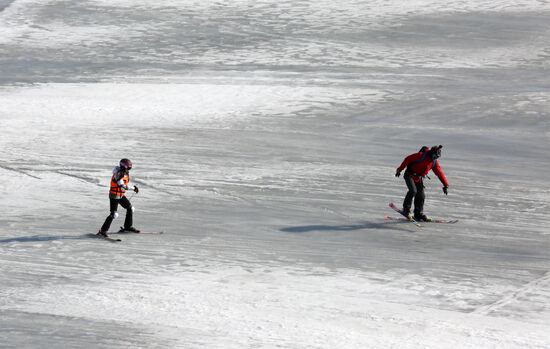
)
(127, 187)
(119, 179)
(121, 184)
(441, 175)
(408, 160)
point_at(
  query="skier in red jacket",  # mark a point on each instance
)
(418, 165)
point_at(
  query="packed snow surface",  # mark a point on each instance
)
(265, 137)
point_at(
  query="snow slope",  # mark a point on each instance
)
(265, 136)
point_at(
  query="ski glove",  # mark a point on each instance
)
(397, 173)
(445, 190)
(136, 189)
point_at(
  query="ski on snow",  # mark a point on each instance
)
(396, 209)
(110, 239)
(106, 238)
(447, 221)
(122, 231)
(405, 218)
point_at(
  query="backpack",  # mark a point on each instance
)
(425, 153)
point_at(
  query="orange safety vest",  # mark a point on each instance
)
(116, 191)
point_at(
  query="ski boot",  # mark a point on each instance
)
(421, 217)
(102, 234)
(128, 230)
(408, 215)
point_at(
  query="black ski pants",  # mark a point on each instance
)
(416, 192)
(125, 203)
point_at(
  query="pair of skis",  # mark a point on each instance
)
(405, 218)
(122, 231)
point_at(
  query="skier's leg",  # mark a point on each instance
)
(113, 203)
(128, 222)
(419, 200)
(407, 203)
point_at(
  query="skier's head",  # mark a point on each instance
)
(435, 151)
(125, 164)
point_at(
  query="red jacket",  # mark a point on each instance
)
(420, 164)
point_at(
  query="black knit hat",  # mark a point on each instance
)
(435, 151)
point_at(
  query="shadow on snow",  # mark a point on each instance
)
(43, 238)
(344, 227)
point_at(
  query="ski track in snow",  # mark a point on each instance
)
(530, 288)
(265, 136)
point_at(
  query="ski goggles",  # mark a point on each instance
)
(436, 154)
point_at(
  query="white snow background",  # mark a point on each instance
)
(265, 136)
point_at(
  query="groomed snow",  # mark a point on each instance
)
(265, 137)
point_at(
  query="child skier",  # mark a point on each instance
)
(119, 186)
(418, 165)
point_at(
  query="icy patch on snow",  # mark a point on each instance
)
(268, 304)
(281, 33)
(166, 105)
(377, 7)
